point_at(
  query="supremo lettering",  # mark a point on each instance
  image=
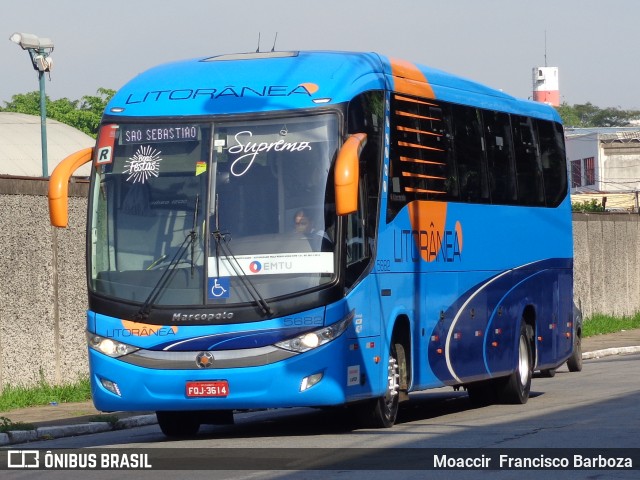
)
(159, 134)
(249, 151)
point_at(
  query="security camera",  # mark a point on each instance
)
(43, 63)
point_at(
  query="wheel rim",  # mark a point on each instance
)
(523, 362)
(393, 387)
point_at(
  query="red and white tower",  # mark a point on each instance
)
(546, 86)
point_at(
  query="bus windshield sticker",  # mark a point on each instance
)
(218, 287)
(248, 151)
(158, 134)
(353, 375)
(273, 264)
(201, 167)
(106, 141)
(144, 164)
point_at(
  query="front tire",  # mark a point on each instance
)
(178, 424)
(382, 412)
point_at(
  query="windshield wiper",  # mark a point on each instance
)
(221, 244)
(158, 288)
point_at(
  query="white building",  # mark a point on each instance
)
(20, 148)
(605, 163)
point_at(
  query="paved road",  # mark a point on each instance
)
(597, 408)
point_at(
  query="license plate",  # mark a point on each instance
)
(215, 388)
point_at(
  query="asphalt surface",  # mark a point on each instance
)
(71, 419)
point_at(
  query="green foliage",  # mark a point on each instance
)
(6, 425)
(589, 116)
(13, 397)
(587, 206)
(601, 324)
(83, 114)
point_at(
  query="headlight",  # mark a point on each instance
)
(109, 346)
(311, 340)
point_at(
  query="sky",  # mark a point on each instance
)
(496, 42)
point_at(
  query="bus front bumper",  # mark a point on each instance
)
(315, 378)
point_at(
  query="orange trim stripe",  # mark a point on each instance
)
(423, 147)
(421, 175)
(413, 100)
(421, 190)
(415, 130)
(408, 79)
(413, 115)
(417, 160)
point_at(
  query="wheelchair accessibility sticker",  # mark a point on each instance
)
(218, 288)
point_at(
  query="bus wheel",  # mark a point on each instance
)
(548, 373)
(482, 393)
(382, 412)
(178, 424)
(515, 388)
(575, 360)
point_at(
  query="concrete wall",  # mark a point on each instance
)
(43, 297)
(606, 263)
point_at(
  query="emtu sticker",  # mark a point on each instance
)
(353, 375)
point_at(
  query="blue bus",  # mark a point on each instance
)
(282, 229)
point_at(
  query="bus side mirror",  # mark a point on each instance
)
(59, 186)
(347, 173)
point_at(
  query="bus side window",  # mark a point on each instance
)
(365, 115)
(528, 169)
(469, 153)
(357, 242)
(497, 136)
(554, 170)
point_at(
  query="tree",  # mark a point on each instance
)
(587, 206)
(83, 114)
(589, 116)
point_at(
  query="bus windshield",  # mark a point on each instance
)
(202, 213)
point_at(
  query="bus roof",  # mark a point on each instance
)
(274, 81)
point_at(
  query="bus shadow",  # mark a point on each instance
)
(310, 422)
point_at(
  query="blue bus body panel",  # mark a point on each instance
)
(468, 277)
(357, 353)
(201, 87)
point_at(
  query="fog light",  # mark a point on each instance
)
(310, 381)
(111, 386)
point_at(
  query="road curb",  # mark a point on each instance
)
(49, 433)
(610, 351)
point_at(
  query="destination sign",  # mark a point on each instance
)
(132, 134)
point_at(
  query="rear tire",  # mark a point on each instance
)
(515, 388)
(575, 360)
(482, 394)
(178, 424)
